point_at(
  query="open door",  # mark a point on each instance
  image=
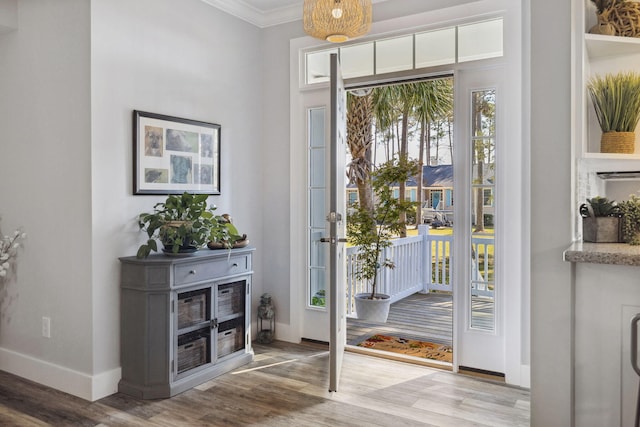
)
(337, 219)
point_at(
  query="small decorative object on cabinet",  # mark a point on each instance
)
(600, 221)
(183, 321)
(266, 313)
(630, 210)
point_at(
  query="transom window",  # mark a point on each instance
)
(451, 45)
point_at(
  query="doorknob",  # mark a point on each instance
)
(333, 240)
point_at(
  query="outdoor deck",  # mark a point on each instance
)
(423, 317)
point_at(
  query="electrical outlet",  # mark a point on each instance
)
(46, 327)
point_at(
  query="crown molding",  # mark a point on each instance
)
(259, 18)
(262, 18)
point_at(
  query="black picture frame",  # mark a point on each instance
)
(172, 155)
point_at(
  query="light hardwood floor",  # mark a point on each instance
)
(286, 386)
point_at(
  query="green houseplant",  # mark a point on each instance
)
(616, 100)
(630, 210)
(183, 223)
(600, 220)
(373, 230)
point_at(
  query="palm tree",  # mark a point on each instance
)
(434, 100)
(482, 152)
(359, 140)
(393, 109)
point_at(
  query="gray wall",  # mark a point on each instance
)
(65, 164)
(551, 213)
(183, 59)
(45, 181)
(70, 77)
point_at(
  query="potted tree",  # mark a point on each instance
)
(616, 100)
(600, 220)
(183, 223)
(373, 230)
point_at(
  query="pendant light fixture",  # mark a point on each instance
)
(337, 20)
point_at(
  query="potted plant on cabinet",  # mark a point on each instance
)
(616, 100)
(371, 231)
(600, 220)
(183, 223)
(630, 210)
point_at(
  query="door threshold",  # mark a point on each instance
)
(400, 357)
(481, 373)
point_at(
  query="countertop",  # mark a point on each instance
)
(603, 253)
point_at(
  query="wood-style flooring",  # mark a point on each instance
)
(286, 385)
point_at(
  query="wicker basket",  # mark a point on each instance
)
(618, 142)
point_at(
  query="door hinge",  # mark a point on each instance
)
(213, 323)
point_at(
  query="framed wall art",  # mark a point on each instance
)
(172, 155)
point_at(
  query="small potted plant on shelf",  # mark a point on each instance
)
(183, 223)
(600, 220)
(372, 231)
(630, 210)
(616, 100)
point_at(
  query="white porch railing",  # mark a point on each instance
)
(422, 264)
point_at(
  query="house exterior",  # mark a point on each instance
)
(437, 187)
(72, 72)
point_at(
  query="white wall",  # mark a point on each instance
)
(8, 15)
(551, 213)
(45, 186)
(68, 119)
(194, 61)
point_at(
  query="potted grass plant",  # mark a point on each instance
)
(616, 100)
(371, 231)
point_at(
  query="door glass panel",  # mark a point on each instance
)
(394, 54)
(483, 181)
(316, 171)
(436, 48)
(317, 210)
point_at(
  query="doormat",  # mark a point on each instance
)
(424, 349)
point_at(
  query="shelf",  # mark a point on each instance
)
(599, 46)
(612, 156)
(596, 162)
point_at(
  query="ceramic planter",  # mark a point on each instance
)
(375, 310)
(601, 229)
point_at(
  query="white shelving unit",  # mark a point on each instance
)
(596, 54)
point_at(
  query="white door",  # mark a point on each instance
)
(337, 219)
(324, 306)
(479, 207)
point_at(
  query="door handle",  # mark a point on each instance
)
(634, 343)
(333, 240)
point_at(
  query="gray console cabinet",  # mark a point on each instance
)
(184, 320)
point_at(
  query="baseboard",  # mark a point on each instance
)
(84, 386)
(287, 333)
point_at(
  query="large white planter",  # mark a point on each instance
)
(376, 310)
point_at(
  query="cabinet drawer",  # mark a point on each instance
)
(200, 271)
